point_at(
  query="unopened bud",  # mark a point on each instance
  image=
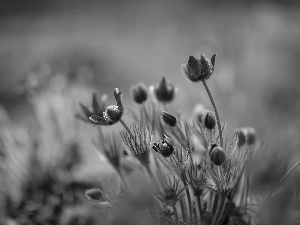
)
(217, 155)
(164, 147)
(139, 93)
(169, 119)
(165, 91)
(241, 137)
(209, 120)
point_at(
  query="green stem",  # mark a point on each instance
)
(219, 212)
(183, 212)
(188, 195)
(148, 169)
(125, 184)
(215, 205)
(216, 112)
(176, 215)
(199, 206)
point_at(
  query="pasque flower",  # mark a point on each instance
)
(111, 114)
(96, 109)
(199, 69)
(139, 93)
(165, 91)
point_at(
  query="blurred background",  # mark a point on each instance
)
(54, 54)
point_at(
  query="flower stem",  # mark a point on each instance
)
(188, 195)
(219, 212)
(176, 215)
(125, 184)
(199, 207)
(216, 112)
(147, 167)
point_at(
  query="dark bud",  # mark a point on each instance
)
(169, 193)
(217, 155)
(169, 119)
(139, 93)
(241, 136)
(164, 147)
(209, 120)
(94, 194)
(164, 92)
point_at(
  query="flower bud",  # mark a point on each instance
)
(199, 69)
(208, 120)
(169, 119)
(139, 93)
(169, 193)
(241, 136)
(164, 147)
(164, 92)
(94, 194)
(217, 155)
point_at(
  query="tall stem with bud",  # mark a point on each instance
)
(216, 112)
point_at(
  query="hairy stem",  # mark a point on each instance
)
(216, 112)
(199, 206)
(176, 215)
(188, 195)
(147, 167)
(219, 212)
(183, 212)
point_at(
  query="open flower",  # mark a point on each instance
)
(96, 109)
(199, 69)
(111, 114)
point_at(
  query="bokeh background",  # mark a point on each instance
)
(54, 54)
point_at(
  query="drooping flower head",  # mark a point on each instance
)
(111, 114)
(199, 69)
